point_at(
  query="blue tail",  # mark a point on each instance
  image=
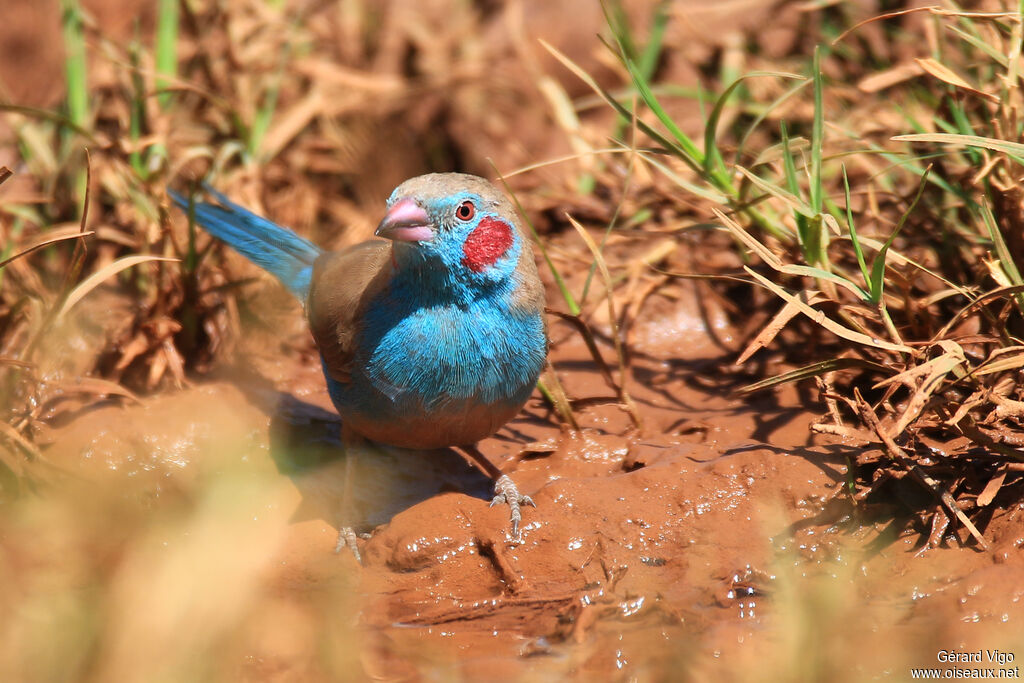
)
(277, 250)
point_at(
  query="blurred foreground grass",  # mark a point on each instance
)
(174, 566)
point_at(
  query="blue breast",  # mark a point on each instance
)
(428, 365)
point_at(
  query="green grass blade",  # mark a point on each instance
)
(618, 21)
(1006, 260)
(713, 160)
(650, 99)
(648, 60)
(74, 63)
(1002, 251)
(648, 130)
(137, 110)
(817, 134)
(944, 125)
(166, 48)
(854, 240)
(643, 89)
(793, 183)
(261, 121)
(960, 116)
(1012, 63)
(981, 45)
(819, 274)
(814, 370)
(877, 281)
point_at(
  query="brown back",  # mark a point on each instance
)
(343, 284)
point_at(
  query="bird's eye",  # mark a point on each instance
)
(465, 211)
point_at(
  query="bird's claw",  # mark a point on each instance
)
(347, 538)
(506, 492)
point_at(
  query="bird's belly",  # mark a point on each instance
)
(409, 426)
(450, 380)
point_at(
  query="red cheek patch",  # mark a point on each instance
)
(486, 244)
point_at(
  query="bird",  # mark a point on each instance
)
(433, 336)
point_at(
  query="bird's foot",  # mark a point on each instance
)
(347, 539)
(506, 492)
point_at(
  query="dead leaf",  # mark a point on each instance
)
(90, 283)
(992, 488)
(890, 77)
(788, 311)
(947, 75)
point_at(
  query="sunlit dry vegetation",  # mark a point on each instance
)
(844, 184)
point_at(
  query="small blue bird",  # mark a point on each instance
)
(432, 338)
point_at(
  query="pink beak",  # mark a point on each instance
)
(406, 221)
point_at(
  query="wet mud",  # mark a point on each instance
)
(701, 543)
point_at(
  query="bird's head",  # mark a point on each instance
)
(456, 224)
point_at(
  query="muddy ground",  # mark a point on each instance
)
(709, 543)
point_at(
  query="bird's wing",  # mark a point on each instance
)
(343, 284)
